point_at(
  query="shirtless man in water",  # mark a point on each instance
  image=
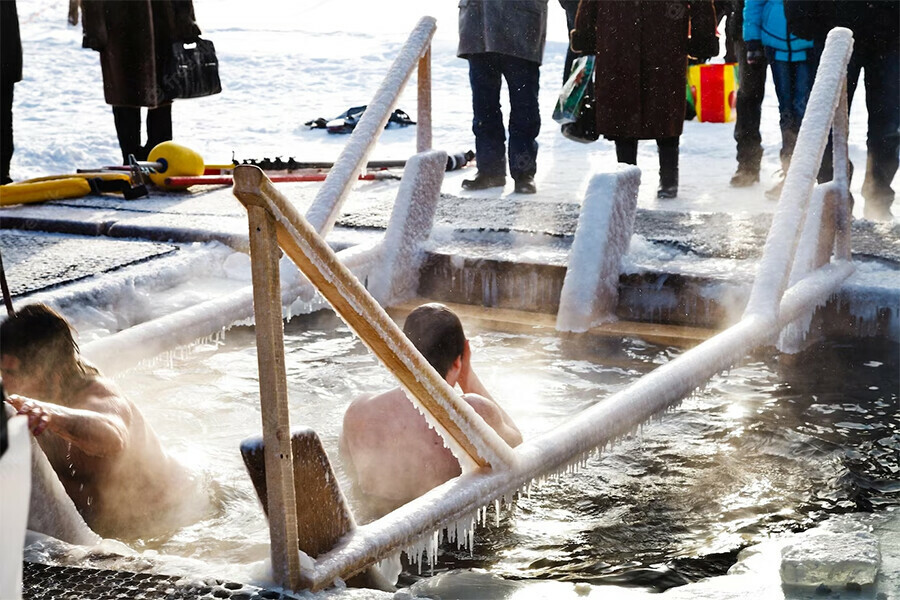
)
(108, 458)
(391, 452)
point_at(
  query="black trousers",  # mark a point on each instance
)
(6, 129)
(626, 152)
(748, 106)
(128, 129)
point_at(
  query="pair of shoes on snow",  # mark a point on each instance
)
(524, 184)
(744, 177)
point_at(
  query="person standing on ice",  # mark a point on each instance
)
(642, 51)
(502, 39)
(135, 40)
(876, 53)
(106, 455)
(766, 39)
(10, 73)
(391, 452)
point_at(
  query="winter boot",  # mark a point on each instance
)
(128, 130)
(668, 168)
(159, 128)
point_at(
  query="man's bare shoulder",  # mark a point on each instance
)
(102, 395)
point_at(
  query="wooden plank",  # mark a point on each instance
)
(474, 442)
(273, 398)
(323, 516)
(506, 319)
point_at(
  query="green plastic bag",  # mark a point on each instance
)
(575, 90)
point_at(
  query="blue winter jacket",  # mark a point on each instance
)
(764, 20)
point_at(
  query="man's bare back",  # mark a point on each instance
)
(107, 457)
(390, 450)
(110, 462)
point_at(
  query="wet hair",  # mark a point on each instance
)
(41, 339)
(437, 333)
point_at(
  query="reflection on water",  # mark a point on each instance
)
(771, 446)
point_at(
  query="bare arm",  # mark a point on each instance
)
(484, 404)
(98, 429)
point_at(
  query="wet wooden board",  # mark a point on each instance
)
(505, 319)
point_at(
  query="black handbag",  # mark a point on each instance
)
(194, 71)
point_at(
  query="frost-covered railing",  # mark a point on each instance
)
(343, 175)
(795, 275)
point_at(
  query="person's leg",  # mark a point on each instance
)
(748, 107)
(159, 127)
(626, 150)
(571, 7)
(781, 77)
(668, 167)
(522, 80)
(487, 121)
(128, 130)
(6, 130)
(882, 81)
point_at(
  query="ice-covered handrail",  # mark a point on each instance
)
(325, 207)
(825, 101)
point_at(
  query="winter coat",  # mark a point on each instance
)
(764, 20)
(10, 44)
(641, 50)
(135, 39)
(875, 23)
(512, 27)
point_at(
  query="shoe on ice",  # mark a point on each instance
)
(525, 185)
(744, 178)
(667, 191)
(483, 181)
(774, 193)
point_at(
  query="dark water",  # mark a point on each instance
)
(774, 445)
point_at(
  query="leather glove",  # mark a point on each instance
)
(755, 54)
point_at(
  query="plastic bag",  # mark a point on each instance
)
(573, 92)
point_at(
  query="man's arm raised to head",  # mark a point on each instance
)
(494, 415)
(99, 427)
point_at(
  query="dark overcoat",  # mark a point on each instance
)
(642, 48)
(512, 27)
(10, 45)
(135, 38)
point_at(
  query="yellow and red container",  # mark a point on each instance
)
(713, 89)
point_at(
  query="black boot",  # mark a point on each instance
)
(626, 150)
(159, 128)
(482, 181)
(668, 167)
(128, 130)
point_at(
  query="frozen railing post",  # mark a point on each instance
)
(590, 290)
(396, 278)
(325, 207)
(826, 100)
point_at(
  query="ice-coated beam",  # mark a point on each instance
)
(590, 290)
(598, 425)
(128, 347)
(325, 207)
(471, 440)
(396, 278)
(778, 254)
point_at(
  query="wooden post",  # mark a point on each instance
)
(282, 508)
(423, 108)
